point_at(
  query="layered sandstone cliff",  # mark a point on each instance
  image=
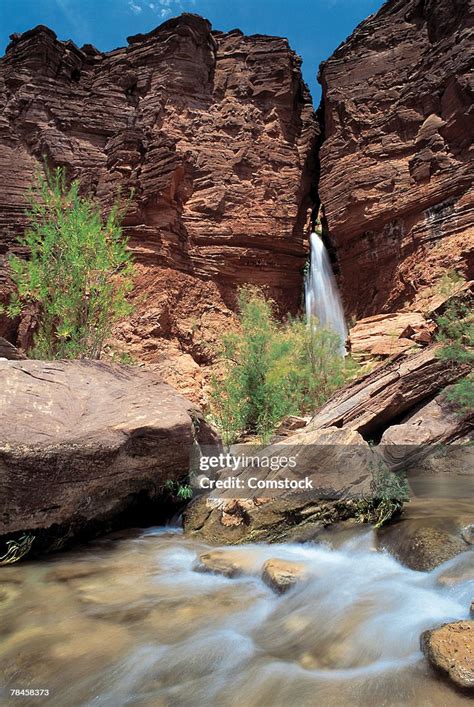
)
(396, 162)
(214, 133)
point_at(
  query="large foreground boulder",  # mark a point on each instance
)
(82, 441)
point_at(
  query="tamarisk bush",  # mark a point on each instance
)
(78, 271)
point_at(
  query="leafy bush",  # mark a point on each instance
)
(456, 333)
(78, 273)
(272, 370)
(461, 394)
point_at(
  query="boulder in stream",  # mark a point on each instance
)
(281, 575)
(450, 649)
(338, 464)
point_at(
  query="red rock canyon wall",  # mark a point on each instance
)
(396, 162)
(215, 133)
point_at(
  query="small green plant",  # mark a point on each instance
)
(78, 273)
(272, 369)
(461, 395)
(123, 357)
(182, 491)
(388, 492)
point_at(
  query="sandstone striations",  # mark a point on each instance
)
(396, 165)
(214, 133)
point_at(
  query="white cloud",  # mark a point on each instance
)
(136, 9)
(162, 8)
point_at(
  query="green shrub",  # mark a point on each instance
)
(272, 370)
(388, 493)
(78, 272)
(461, 395)
(456, 333)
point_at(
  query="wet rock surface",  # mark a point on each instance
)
(450, 649)
(337, 462)
(281, 575)
(219, 562)
(430, 532)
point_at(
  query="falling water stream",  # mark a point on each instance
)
(322, 298)
(127, 620)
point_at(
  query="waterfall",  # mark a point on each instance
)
(322, 297)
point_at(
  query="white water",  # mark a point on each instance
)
(322, 297)
(131, 622)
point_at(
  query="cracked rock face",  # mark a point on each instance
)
(213, 131)
(396, 163)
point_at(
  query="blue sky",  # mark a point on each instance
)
(314, 27)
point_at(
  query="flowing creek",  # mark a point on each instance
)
(127, 620)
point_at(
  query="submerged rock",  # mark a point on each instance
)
(220, 562)
(422, 548)
(281, 575)
(462, 572)
(82, 442)
(450, 649)
(467, 534)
